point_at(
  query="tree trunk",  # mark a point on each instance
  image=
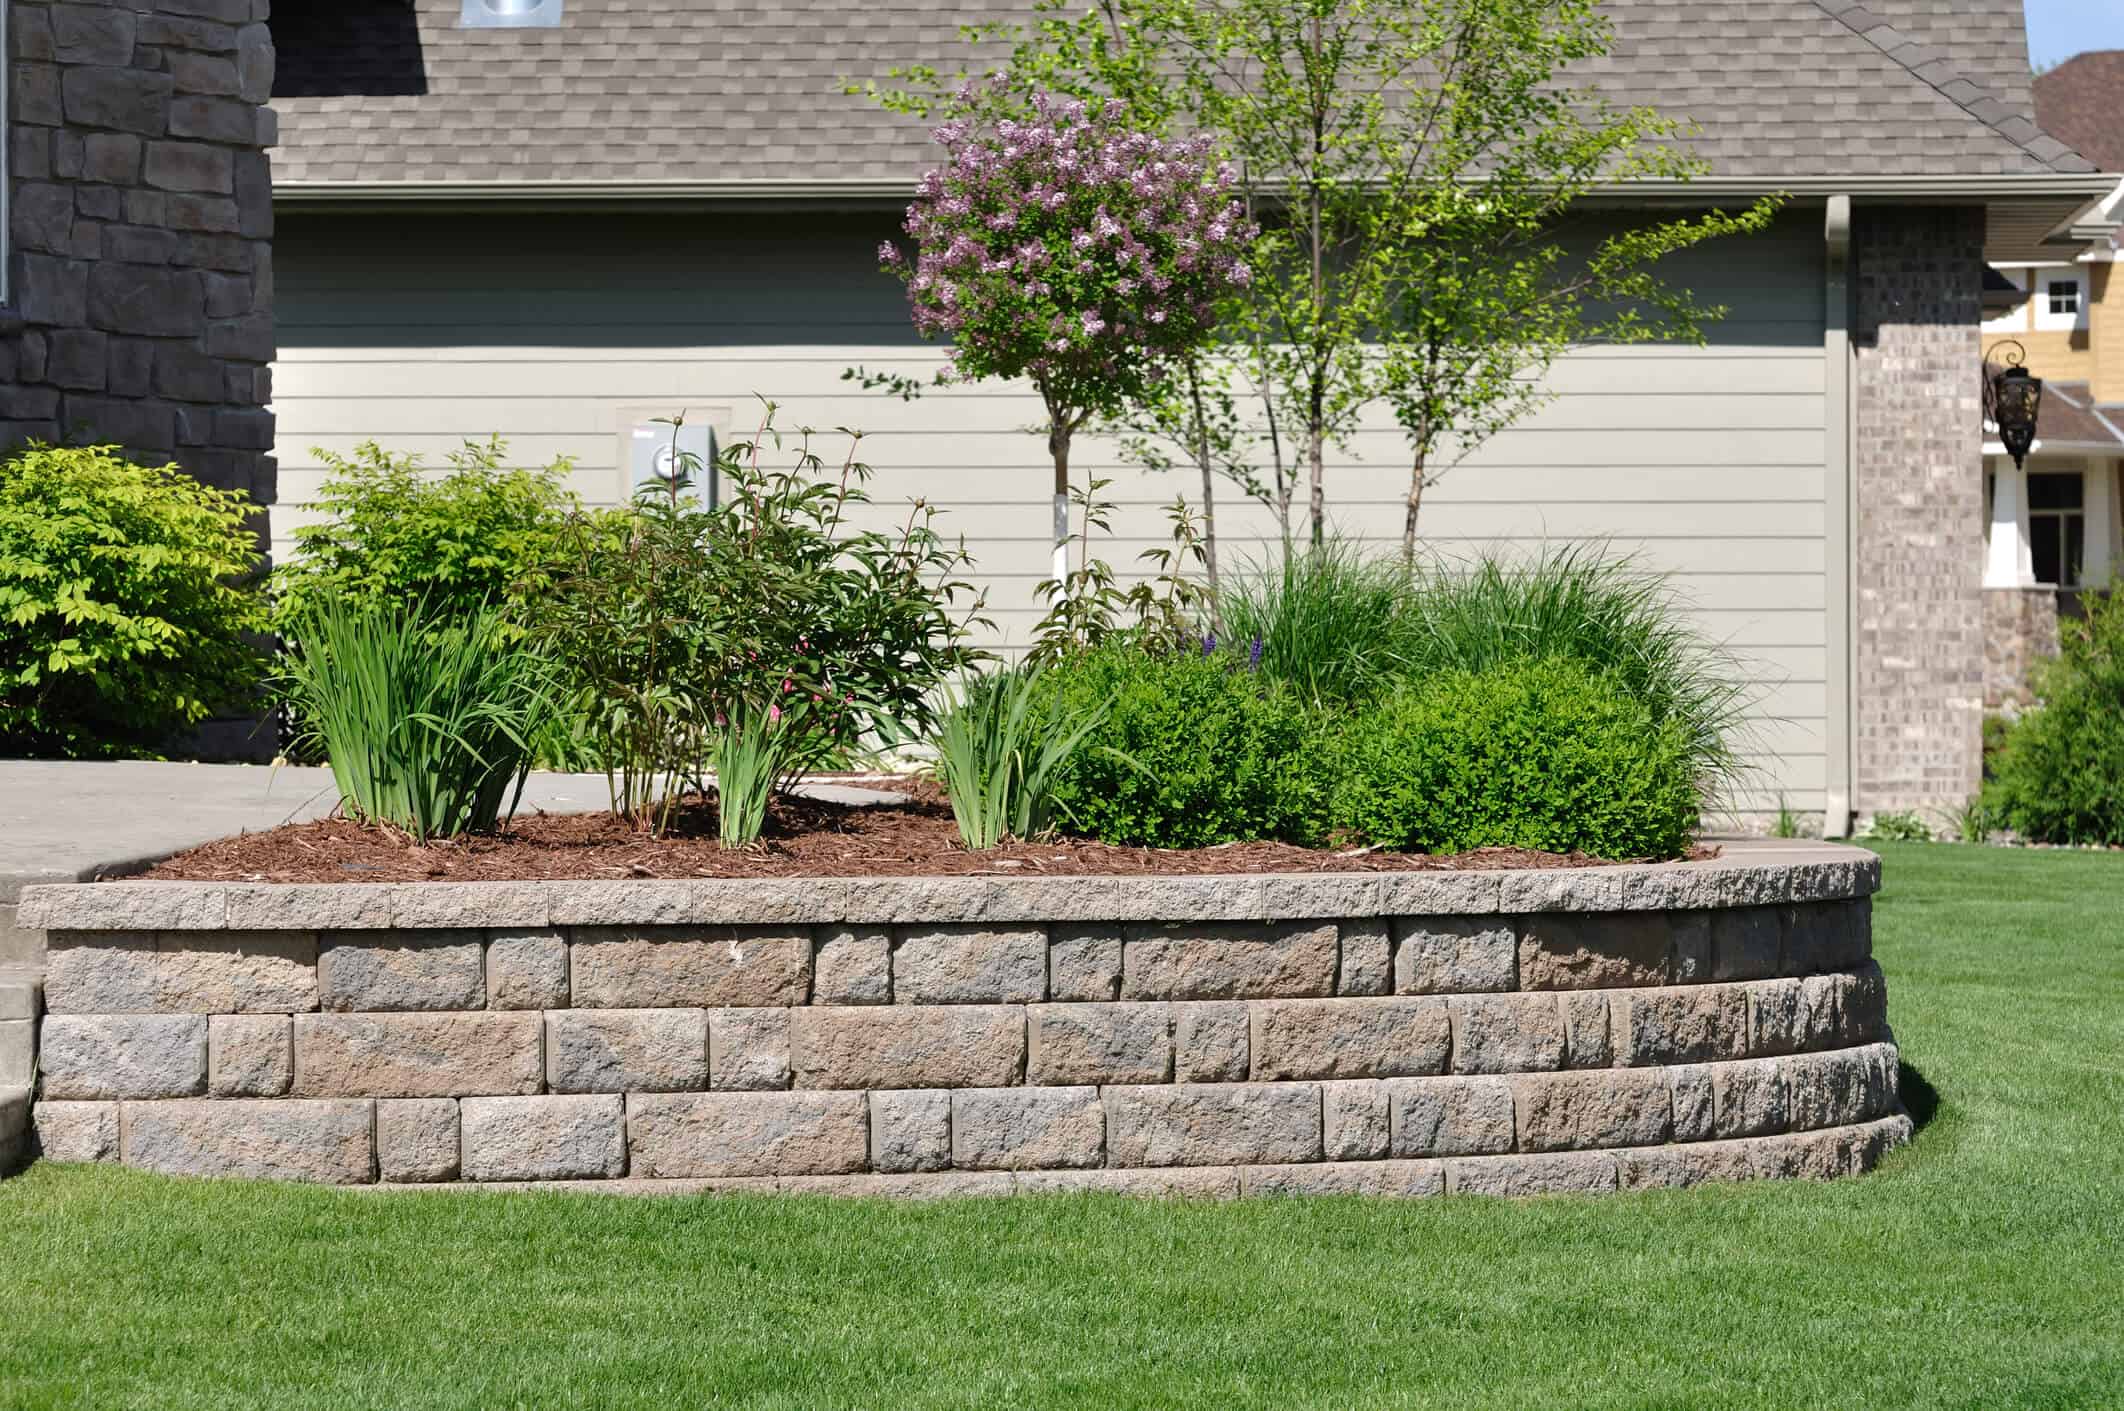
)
(1209, 479)
(1408, 525)
(1058, 445)
(1316, 425)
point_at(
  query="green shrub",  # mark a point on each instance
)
(428, 722)
(1545, 754)
(480, 534)
(1193, 750)
(2058, 773)
(1615, 617)
(127, 603)
(1330, 622)
(1897, 826)
(673, 619)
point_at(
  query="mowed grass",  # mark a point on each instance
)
(1982, 1267)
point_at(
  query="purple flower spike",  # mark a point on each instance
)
(1253, 655)
(1209, 644)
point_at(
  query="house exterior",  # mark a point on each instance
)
(559, 230)
(2056, 526)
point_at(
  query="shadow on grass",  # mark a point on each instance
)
(1920, 1099)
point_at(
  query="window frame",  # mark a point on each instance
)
(2070, 571)
(2048, 321)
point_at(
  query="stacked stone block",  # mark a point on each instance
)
(399, 1040)
(141, 276)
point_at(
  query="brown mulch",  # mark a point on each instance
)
(804, 838)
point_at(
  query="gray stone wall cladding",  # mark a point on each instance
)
(1920, 529)
(1422, 1054)
(141, 282)
(2020, 631)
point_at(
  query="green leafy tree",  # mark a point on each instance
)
(129, 605)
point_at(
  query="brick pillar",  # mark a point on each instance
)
(141, 276)
(1920, 531)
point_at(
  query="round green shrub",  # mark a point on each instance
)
(2058, 773)
(1545, 753)
(127, 594)
(1194, 750)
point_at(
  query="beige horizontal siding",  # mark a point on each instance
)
(1706, 463)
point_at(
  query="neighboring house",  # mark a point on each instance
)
(557, 232)
(2057, 526)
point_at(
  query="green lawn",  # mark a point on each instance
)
(1982, 1267)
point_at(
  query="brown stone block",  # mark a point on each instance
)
(1012, 1129)
(903, 1046)
(1210, 960)
(278, 1139)
(747, 1134)
(417, 1055)
(1350, 1038)
(1597, 1108)
(1191, 1124)
(704, 967)
(1098, 1043)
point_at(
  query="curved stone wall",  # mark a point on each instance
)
(1410, 1034)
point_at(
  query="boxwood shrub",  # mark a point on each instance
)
(1193, 750)
(1544, 753)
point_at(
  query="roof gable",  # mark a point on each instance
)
(2081, 101)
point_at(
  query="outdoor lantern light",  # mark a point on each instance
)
(2015, 397)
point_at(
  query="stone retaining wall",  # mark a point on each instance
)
(1415, 1034)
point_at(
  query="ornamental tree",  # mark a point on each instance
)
(1058, 244)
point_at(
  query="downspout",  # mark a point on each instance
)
(1840, 502)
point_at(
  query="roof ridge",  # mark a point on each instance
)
(1940, 72)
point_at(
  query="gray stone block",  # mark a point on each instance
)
(124, 98)
(748, 1049)
(1695, 1024)
(427, 905)
(1084, 962)
(276, 1139)
(747, 1134)
(1568, 951)
(852, 965)
(365, 971)
(1349, 1038)
(1749, 1098)
(1165, 1183)
(527, 970)
(190, 166)
(910, 1130)
(1506, 1033)
(709, 967)
(250, 1055)
(1448, 1116)
(1745, 943)
(123, 1055)
(1211, 1042)
(1564, 1173)
(1098, 1043)
(213, 119)
(1385, 1178)
(543, 1138)
(418, 1055)
(1291, 959)
(970, 965)
(626, 1050)
(189, 973)
(417, 1139)
(631, 903)
(1207, 1124)
(353, 906)
(18, 1052)
(1602, 1107)
(1354, 1121)
(1367, 963)
(153, 300)
(1695, 1101)
(1454, 955)
(92, 34)
(76, 1131)
(1010, 1129)
(1588, 1041)
(928, 1185)
(1839, 1088)
(903, 1046)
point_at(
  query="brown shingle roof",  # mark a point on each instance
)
(740, 90)
(2081, 102)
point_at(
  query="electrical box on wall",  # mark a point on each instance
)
(652, 451)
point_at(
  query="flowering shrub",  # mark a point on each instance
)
(1067, 248)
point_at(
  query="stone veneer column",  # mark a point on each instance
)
(1920, 531)
(141, 276)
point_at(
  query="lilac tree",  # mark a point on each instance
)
(1058, 244)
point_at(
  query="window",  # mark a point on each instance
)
(2061, 299)
(2057, 526)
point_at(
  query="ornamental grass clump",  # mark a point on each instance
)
(428, 722)
(1001, 749)
(1328, 621)
(1060, 245)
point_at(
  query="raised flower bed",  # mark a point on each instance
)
(1413, 1033)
